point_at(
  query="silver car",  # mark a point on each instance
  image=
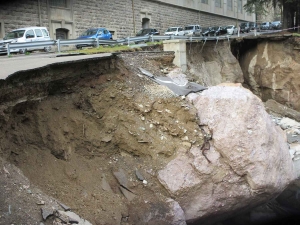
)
(174, 31)
(191, 30)
(232, 30)
(27, 34)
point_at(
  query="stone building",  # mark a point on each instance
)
(67, 19)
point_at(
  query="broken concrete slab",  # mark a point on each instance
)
(65, 207)
(178, 87)
(74, 218)
(46, 212)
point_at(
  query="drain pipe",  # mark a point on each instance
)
(39, 10)
(133, 17)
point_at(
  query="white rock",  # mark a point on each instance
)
(241, 168)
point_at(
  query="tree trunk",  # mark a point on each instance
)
(285, 16)
(298, 16)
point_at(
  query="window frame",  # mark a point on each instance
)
(240, 6)
(218, 3)
(31, 32)
(204, 2)
(38, 33)
(229, 6)
(65, 5)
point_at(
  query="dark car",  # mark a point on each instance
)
(254, 26)
(245, 27)
(276, 25)
(207, 31)
(221, 30)
(147, 32)
(101, 33)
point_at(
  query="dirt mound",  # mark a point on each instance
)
(70, 144)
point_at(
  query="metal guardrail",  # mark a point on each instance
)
(96, 41)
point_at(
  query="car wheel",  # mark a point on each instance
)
(23, 51)
(47, 49)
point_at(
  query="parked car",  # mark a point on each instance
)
(174, 31)
(245, 27)
(101, 33)
(27, 34)
(276, 25)
(254, 26)
(206, 31)
(192, 29)
(265, 26)
(231, 30)
(221, 30)
(147, 32)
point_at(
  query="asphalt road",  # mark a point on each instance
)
(15, 63)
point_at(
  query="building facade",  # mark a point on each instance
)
(67, 19)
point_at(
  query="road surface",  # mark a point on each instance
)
(15, 63)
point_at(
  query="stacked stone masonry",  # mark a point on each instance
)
(115, 15)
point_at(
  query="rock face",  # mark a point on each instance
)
(214, 64)
(272, 71)
(240, 168)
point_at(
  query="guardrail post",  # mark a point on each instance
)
(58, 45)
(128, 41)
(97, 42)
(8, 49)
(152, 38)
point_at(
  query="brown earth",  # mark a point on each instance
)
(70, 143)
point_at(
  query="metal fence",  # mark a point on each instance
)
(96, 41)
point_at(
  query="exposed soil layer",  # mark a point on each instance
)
(69, 128)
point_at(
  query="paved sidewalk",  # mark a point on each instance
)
(11, 65)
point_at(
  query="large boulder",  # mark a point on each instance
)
(245, 162)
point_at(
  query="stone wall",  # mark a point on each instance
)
(25, 13)
(115, 15)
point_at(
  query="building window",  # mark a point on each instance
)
(58, 3)
(204, 1)
(240, 6)
(229, 5)
(218, 3)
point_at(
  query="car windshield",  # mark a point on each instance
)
(189, 28)
(243, 24)
(230, 27)
(90, 32)
(205, 29)
(215, 28)
(14, 34)
(223, 27)
(171, 29)
(264, 24)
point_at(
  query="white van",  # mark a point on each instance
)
(28, 34)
